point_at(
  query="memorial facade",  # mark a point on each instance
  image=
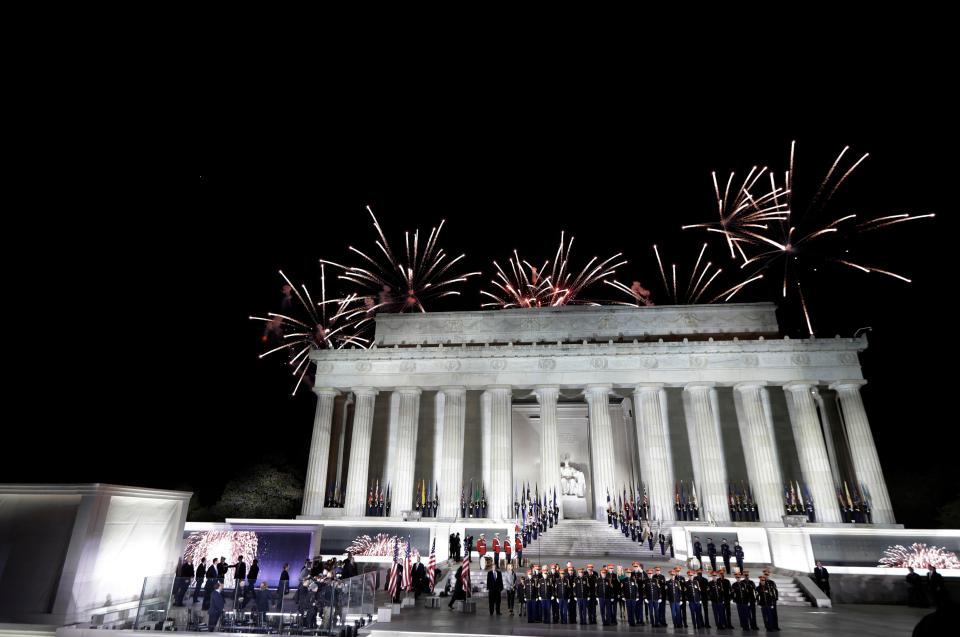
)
(586, 401)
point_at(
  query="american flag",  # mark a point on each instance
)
(465, 575)
(393, 570)
(407, 575)
(432, 566)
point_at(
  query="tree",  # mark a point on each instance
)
(264, 492)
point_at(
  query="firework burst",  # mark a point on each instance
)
(302, 325)
(404, 283)
(380, 544)
(552, 284)
(918, 555)
(216, 544)
(684, 291)
(768, 233)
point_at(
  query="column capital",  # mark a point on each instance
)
(847, 385)
(453, 390)
(498, 389)
(750, 384)
(598, 388)
(699, 384)
(326, 391)
(546, 390)
(801, 385)
(408, 390)
(648, 387)
(365, 391)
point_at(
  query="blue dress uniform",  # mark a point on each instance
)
(725, 554)
(694, 597)
(749, 593)
(738, 553)
(630, 592)
(768, 595)
(561, 592)
(717, 603)
(704, 585)
(698, 551)
(581, 590)
(545, 596)
(712, 554)
(651, 598)
(568, 605)
(675, 595)
(662, 604)
(592, 583)
(726, 594)
(738, 599)
(607, 594)
(531, 592)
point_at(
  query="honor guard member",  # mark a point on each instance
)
(712, 554)
(482, 550)
(530, 596)
(496, 549)
(581, 590)
(571, 579)
(773, 595)
(704, 584)
(593, 581)
(738, 554)
(726, 597)
(740, 602)
(651, 597)
(716, 595)
(698, 549)
(694, 597)
(507, 551)
(662, 604)
(749, 591)
(725, 554)
(545, 595)
(663, 544)
(675, 596)
(607, 595)
(561, 591)
(633, 596)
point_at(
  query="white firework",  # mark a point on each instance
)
(381, 544)
(217, 544)
(918, 555)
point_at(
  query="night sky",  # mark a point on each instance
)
(144, 369)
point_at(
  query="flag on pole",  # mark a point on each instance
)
(432, 565)
(392, 587)
(465, 574)
(407, 575)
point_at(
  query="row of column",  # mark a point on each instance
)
(754, 417)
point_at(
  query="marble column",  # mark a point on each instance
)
(549, 442)
(355, 499)
(653, 440)
(438, 426)
(451, 471)
(760, 448)
(485, 406)
(709, 463)
(811, 449)
(406, 449)
(863, 451)
(603, 459)
(499, 496)
(314, 491)
(390, 459)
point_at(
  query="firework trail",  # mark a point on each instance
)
(303, 326)
(685, 291)
(552, 284)
(768, 233)
(918, 555)
(404, 283)
(217, 544)
(379, 545)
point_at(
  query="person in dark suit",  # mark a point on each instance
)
(201, 573)
(494, 588)
(263, 602)
(216, 608)
(350, 567)
(698, 549)
(936, 587)
(185, 576)
(253, 573)
(712, 553)
(222, 569)
(212, 581)
(822, 578)
(914, 591)
(284, 585)
(725, 554)
(239, 572)
(738, 554)
(459, 593)
(419, 578)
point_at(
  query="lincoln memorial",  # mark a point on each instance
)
(589, 401)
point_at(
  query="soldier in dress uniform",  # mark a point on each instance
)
(663, 544)
(704, 584)
(727, 596)
(581, 590)
(607, 592)
(767, 596)
(716, 595)
(662, 604)
(712, 554)
(531, 596)
(496, 550)
(749, 590)
(694, 598)
(738, 553)
(725, 553)
(632, 595)
(739, 601)
(570, 579)
(592, 584)
(675, 597)
(651, 598)
(482, 550)
(545, 595)
(698, 549)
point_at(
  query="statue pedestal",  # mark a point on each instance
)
(574, 508)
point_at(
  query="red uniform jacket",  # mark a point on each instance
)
(496, 545)
(482, 547)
